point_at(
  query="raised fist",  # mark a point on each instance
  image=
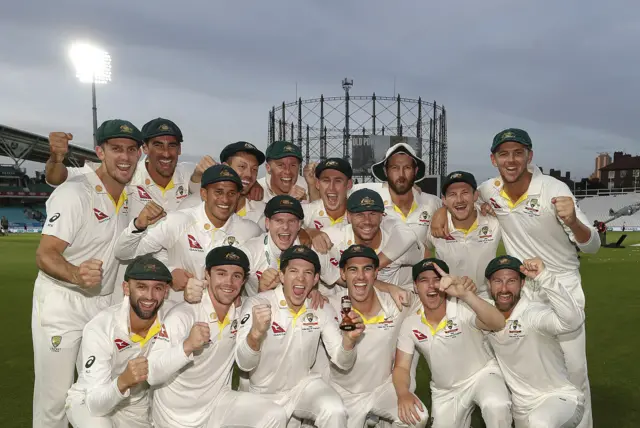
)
(565, 209)
(150, 214)
(269, 279)
(298, 192)
(198, 338)
(201, 167)
(532, 267)
(136, 372)
(309, 173)
(59, 145)
(261, 319)
(322, 243)
(89, 274)
(194, 290)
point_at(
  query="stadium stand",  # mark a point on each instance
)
(597, 208)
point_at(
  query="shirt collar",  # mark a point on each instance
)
(176, 180)
(206, 225)
(212, 316)
(535, 186)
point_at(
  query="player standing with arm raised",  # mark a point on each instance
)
(77, 267)
(447, 330)
(111, 390)
(278, 341)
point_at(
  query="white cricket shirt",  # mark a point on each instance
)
(454, 349)
(527, 349)
(186, 387)
(264, 254)
(470, 251)
(290, 348)
(376, 348)
(107, 348)
(84, 215)
(316, 217)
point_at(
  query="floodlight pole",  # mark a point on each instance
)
(95, 113)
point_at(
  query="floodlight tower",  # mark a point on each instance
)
(93, 65)
(346, 85)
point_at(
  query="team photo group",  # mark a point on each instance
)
(162, 284)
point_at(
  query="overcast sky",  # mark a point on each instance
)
(565, 71)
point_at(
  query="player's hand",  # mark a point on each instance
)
(59, 145)
(408, 406)
(150, 214)
(317, 299)
(298, 193)
(201, 167)
(440, 225)
(532, 267)
(136, 372)
(309, 173)
(305, 238)
(199, 336)
(565, 209)
(269, 279)
(322, 243)
(89, 274)
(261, 320)
(180, 278)
(351, 337)
(194, 290)
(486, 209)
(399, 296)
(256, 193)
(455, 286)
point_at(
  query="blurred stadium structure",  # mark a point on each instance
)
(22, 198)
(361, 128)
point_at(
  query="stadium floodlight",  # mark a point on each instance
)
(93, 65)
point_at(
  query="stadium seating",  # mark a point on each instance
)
(597, 208)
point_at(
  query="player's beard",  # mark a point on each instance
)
(401, 186)
(141, 313)
(167, 171)
(505, 306)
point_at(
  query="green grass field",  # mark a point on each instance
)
(610, 279)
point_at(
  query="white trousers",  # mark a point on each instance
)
(128, 417)
(574, 346)
(452, 408)
(555, 411)
(58, 317)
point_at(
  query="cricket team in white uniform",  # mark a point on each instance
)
(158, 278)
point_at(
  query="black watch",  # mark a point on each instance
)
(136, 227)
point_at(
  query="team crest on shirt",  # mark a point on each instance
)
(230, 240)
(532, 207)
(515, 329)
(194, 245)
(55, 342)
(277, 329)
(419, 335)
(484, 234)
(234, 327)
(181, 193)
(451, 329)
(143, 194)
(310, 322)
(424, 219)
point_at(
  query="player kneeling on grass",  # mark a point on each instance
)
(193, 375)
(366, 388)
(111, 390)
(447, 330)
(528, 349)
(278, 342)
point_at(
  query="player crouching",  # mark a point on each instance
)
(111, 390)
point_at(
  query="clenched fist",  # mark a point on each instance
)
(59, 145)
(194, 290)
(298, 192)
(89, 274)
(309, 173)
(269, 279)
(532, 267)
(199, 336)
(136, 372)
(150, 214)
(256, 193)
(565, 209)
(261, 320)
(201, 167)
(322, 243)
(180, 279)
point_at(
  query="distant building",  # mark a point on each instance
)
(602, 160)
(624, 171)
(557, 174)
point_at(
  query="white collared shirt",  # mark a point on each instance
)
(454, 349)
(470, 251)
(107, 348)
(422, 210)
(183, 238)
(316, 216)
(394, 234)
(376, 348)
(82, 213)
(290, 348)
(531, 228)
(186, 387)
(528, 350)
(264, 254)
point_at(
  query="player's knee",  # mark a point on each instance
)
(496, 408)
(540, 420)
(274, 416)
(332, 407)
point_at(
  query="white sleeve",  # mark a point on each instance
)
(102, 394)
(483, 192)
(65, 211)
(193, 200)
(405, 341)
(332, 339)
(246, 358)
(132, 244)
(593, 244)
(167, 356)
(329, 270)
(307, 210)
(563, 314)
(403, 239)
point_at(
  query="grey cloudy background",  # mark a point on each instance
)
(566, 71)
